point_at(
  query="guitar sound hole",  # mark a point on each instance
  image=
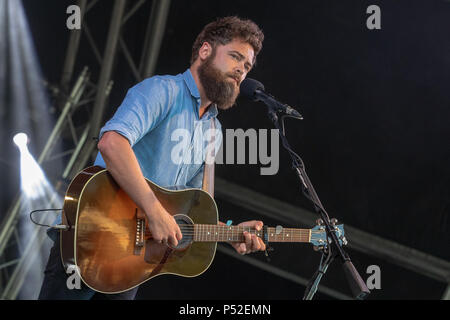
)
(187, 230)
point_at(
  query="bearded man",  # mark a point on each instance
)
(138, 141)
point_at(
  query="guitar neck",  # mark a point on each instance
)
(224, 233)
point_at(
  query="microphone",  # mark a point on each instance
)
(255, 91)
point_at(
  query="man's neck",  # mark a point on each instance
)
(204, 101)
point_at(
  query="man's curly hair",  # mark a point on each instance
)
(224, 30)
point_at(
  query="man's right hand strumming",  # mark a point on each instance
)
(163, 226)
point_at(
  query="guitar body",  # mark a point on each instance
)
(107, 240)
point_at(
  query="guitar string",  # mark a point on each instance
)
(289, 233)
(212, 232)
(239, 229)
(209, 234)
(201, 232)
(220, 229)
(241, 238)
(242, 229)
(239, 235)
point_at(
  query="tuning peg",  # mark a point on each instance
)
(319, 222)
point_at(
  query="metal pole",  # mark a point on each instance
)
(72, 51)
(76, 93)
(107, 65)
(154, 36)
(103, 83)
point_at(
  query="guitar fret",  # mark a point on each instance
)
(289, 235)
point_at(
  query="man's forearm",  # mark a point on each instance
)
(121, 162)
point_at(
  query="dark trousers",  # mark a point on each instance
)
(55, 286)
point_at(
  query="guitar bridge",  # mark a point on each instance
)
(140, 231)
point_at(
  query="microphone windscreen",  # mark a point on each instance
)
(249, 86)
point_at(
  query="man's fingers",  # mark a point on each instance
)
(256, 246)
(239, 247)
(263, 245)
(252, 242)
(173, 241)
(259, 225)
(242, 248)
(179, 235)
(248, 240)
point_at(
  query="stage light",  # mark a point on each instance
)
(37, 192)
(32, 179)
(21, 140)
(27, 108)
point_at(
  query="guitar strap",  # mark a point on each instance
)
(208, 171)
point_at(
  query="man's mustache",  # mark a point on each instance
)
(235, 76)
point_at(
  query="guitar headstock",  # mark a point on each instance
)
(319, 235)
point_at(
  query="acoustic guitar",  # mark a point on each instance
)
(109, 243)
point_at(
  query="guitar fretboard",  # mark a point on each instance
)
(224, 233)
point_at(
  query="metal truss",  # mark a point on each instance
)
(14, 271)
(78, 138)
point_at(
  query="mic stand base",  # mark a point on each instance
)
(313, 284)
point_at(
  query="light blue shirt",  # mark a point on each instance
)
(160, 118)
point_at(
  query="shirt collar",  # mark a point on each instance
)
(190, 82)
(193, 89)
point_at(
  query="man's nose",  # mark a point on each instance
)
(239, 70)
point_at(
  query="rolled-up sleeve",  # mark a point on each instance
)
(144, 107)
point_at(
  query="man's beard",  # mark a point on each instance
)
(217, 85)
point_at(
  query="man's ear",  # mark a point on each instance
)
(205, 51)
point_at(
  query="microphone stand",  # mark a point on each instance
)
(334, 248)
